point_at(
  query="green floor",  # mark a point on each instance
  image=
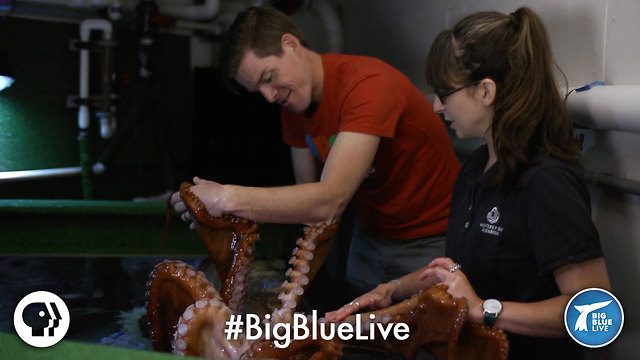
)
(14, 348)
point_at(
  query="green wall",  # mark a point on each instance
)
(38, 130)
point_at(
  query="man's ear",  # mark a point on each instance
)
(489, 89)
(289, 41)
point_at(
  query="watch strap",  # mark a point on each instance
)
(490, 318)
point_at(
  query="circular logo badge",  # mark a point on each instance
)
(594, 317)
(41, 319)
(493, 216)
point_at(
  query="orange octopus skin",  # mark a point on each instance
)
(172, 287)
(434, 318)
(297, 350)
(230, 242)
(479, 342)
(437, 323)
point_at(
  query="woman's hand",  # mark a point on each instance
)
(378, 298)
(451, 274)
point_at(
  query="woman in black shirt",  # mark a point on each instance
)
(520, 231)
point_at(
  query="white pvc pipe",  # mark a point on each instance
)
(6, 176)
(83, 111)
(86, 27)
(607, 108)
(625, 185)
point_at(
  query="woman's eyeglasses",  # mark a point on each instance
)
(445, 94)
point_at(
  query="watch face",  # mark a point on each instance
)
(492, 305)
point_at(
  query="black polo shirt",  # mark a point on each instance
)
(509, 242)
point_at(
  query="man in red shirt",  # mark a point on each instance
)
(375, 133)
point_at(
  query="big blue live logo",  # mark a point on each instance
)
(594, 317)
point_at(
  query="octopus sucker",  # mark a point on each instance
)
(298, 278)
(308, 255)
(203, 334)
(309, 246)
(302, 265)
(188, 314)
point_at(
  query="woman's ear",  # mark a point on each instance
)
(489, 88)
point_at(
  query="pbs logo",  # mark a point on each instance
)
(41, 319)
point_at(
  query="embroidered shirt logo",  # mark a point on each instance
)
(493, 216)
(491, 228)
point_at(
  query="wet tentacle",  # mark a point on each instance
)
(172, 287)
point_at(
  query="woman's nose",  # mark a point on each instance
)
(437, 105)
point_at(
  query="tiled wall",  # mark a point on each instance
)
(401, 32)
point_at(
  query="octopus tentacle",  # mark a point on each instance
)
(317, 241)
(319, 349)
(436, 322)
(201, 332)
(479, 342)
(434, 317)
(230, 241)
(306, 260)
(172, 287)
(236, 282)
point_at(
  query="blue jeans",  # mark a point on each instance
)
(373, 260)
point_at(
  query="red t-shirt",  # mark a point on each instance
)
(406, 194)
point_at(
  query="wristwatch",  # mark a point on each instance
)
(491, 308)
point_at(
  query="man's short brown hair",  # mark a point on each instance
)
(259, 29)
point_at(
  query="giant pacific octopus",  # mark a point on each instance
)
(188, 316)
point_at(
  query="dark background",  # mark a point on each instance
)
(178, 123)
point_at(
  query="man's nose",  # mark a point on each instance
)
(269, 93)
(437, 105)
